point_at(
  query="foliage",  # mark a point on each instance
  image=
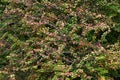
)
(59, 39)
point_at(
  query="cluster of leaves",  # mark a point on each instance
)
(59, 39)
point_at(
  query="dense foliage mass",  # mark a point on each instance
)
(59, 40)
